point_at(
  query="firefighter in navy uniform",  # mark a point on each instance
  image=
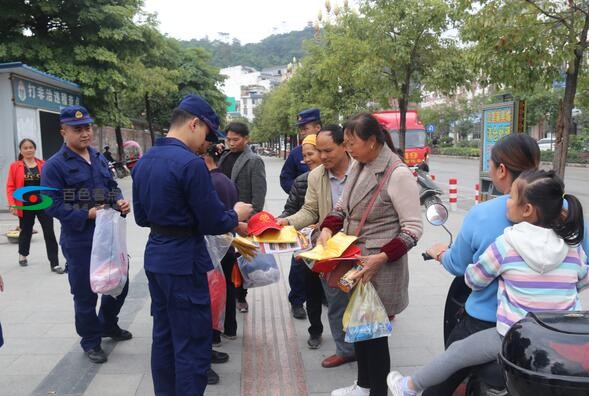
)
(83, 182)
(174, 196)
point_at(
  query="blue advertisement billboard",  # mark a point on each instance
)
(497, 122)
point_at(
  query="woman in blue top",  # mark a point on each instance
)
(510, 156)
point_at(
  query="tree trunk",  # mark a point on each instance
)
(286, 140)
(565, 112)
(148, 114)
(118, 134)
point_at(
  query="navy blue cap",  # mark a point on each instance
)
(74, 116)
(200, 108)
(309, 115)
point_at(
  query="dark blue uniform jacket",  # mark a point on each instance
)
(172, 188)
(293, 167)
(80, 186)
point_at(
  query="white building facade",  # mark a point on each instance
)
(246, 86)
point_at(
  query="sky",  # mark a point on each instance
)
(249, 21)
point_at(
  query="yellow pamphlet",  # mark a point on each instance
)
(244, 246)
(334, 247)
(288, 234)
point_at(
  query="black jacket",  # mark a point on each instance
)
(296, 197)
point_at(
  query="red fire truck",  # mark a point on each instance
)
(416, 149)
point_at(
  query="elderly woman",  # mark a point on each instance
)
(380, 204)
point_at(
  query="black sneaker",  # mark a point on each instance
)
(298, 312)
(23, 262)
(121, 335)
(314, 341)
(212, 377)
(96, 355)
(219, 357)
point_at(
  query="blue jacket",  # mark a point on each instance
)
(80, 186)
(172, 187)
(292, 168)
(481, 226)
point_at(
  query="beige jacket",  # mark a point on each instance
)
(318, 203)
(396, 213)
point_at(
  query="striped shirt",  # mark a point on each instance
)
(521, 289)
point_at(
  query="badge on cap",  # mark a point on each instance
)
(265, 217)
(78, 115)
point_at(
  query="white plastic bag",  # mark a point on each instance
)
(218, 245)
(109, 262)
(262, 270)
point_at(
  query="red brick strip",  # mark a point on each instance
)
(271, 361)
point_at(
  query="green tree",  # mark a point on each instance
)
(274, 116)
(331, 76)
(521, 44)
(89, 42)
(114, 51)
(398, 48)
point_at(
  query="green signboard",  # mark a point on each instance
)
(35, 94)
(231, 104)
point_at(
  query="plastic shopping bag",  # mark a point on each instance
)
(109, 262)
(218, 292)
(236, 277)
(262, 270)
(217, 246)
(365, 317)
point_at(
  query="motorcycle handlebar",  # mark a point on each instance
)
(426, 257)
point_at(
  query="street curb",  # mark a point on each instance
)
(454, 156)
(545, 163)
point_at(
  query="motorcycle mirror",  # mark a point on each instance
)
(436, 214)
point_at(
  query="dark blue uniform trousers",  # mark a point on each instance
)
(296, 281)
(182, 333)
(89, 326)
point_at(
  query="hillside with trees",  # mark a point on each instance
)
(275, 50)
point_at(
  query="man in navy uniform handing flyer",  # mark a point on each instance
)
(174, 196)
(83, 183)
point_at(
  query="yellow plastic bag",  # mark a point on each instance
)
(365, 317)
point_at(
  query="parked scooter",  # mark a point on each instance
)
(118, 170)
(429, 191)
(111, 169)
(545, 354)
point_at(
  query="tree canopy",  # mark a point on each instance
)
(113, 50)
(525, 43)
